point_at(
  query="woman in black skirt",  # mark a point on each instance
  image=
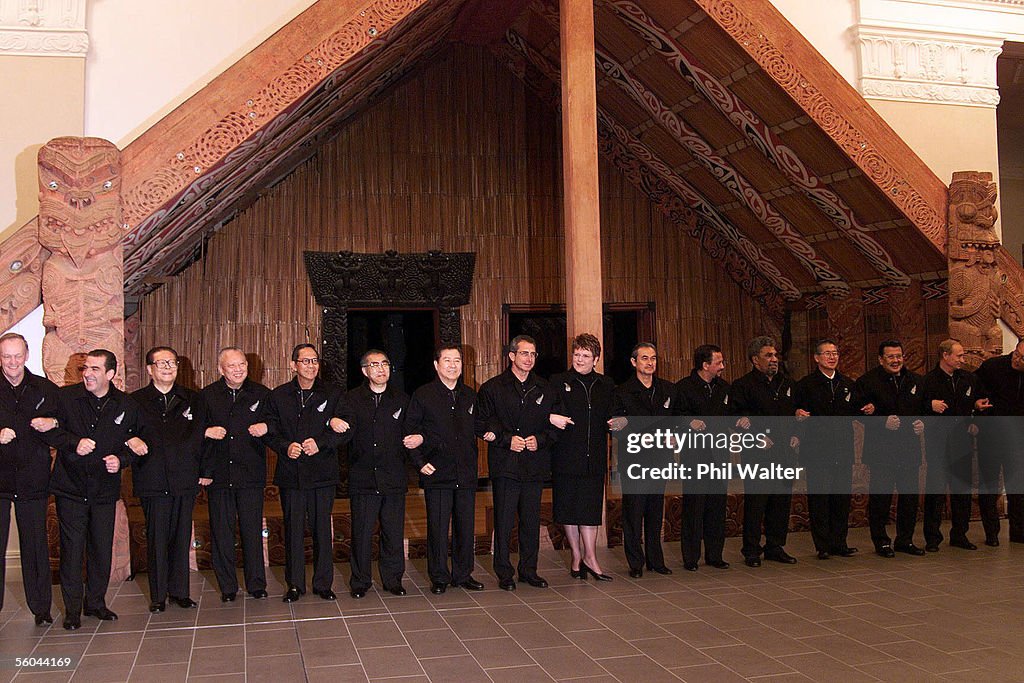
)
(579, 460)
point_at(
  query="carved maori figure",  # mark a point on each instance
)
(973, 273)
(83, 281)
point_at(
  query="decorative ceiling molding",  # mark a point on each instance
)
(43, 28)
(924, 65)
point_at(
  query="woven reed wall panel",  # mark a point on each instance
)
(459, 158)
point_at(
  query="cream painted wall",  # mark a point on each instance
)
(42, 99)
(166, 54)
(828, 25)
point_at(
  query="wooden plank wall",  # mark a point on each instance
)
(459, 157)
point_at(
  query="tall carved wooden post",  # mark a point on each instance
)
(974, 282)
(83, 280)
(583, 288)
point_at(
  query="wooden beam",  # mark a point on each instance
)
(581, 197)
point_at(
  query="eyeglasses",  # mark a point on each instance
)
(893, 356)
(165, 364)
(829, 354)
(377, 364)
(309, 361)
(527, 354)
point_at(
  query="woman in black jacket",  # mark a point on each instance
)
(579, 460)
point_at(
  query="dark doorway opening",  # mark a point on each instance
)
(407, 336)
(624, 326)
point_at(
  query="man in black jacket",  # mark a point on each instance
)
(28, 403)
(234, 469)
(96, 439)
(166, 476)
(375, 414)
(513, 413)
(1001, 444)
(646, 395)
(892, 447)
(299, 431)
(441, 421)
(705, 394)
(764, 391)
(826, 396)
(950, 394)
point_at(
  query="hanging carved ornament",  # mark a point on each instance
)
(974, 280)
(83, 280)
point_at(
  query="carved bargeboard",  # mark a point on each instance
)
(83, 280)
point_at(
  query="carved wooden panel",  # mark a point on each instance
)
(21, 274)
(846, 326)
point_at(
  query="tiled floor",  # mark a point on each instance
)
(954, 616)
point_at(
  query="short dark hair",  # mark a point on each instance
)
(299, 347)
(587, 342)
(371, 352)
(758, 343)
(157, 349)
(513, 345)
(889, 343)
(822, 342)
(447, 347)
(109, 359)
(642, 345)
(704, 354)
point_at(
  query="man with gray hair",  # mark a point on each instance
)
(234, 469)
(762, 392)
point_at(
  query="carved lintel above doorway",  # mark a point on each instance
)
(345, 280)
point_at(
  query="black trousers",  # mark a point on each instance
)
(168, 541)
(243, 507)
(86, 532)
(642, 516)
(704, 522)
(312, 506)
(948, 467)
(829, 509)
(35, 555)
(367, 510)
(511, 498)
(991, 460)
(453, 507)
(885, 477)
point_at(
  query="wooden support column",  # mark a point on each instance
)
(583, 288)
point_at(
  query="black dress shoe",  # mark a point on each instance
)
(43, 618)
(910, 549)
(717, 564)
(292, 595)
(470, 584)
(963, 543)
(103, 614)
(507, 584)
(823, 555)
(538, 582)
(358, 593)
(584, 567)
(634, 573)
(398, 590)
(992, 542)
(752, 561)
(184, 603)
(157, 606)
(72, 623)
(438, 588)
(227, 597)
(327, 595)
(664, 571)
(780, 556)
(690, 566)
(885, 551)
(844, 552)
(258, 595)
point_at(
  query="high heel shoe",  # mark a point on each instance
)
(578, 573)
(600, 577)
